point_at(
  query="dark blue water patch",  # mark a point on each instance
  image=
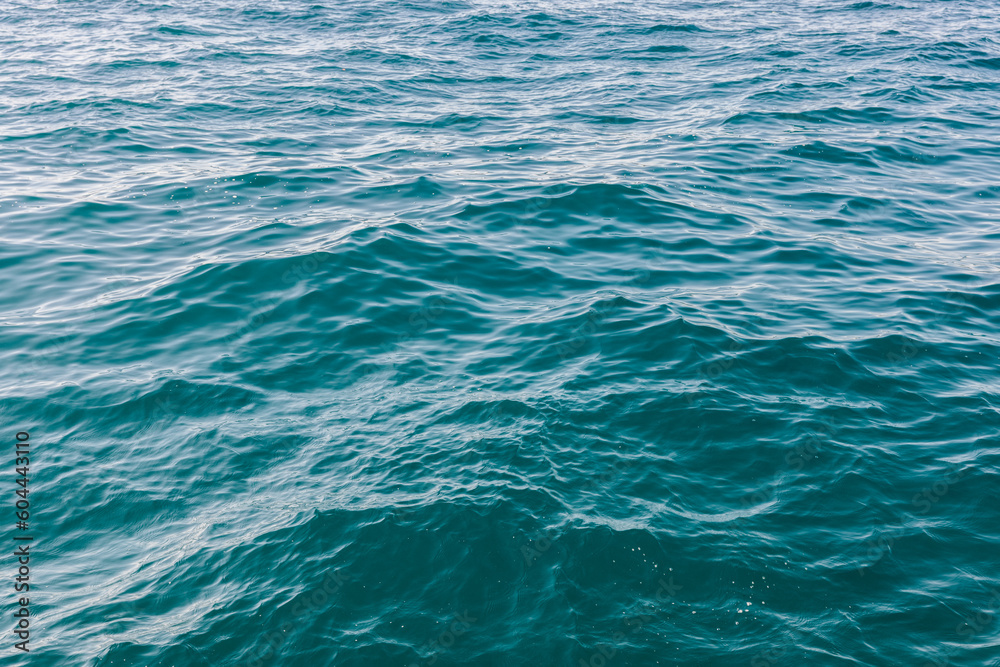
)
(668, 48)
(184, 30)
(830, 115)
(872, 5)
(823, 152)
(669, 27)
(785, 53)
(986, 63)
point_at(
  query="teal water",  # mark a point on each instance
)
(504, 333)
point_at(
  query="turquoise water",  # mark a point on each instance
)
(504, 334)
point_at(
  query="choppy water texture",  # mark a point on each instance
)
(504, 334)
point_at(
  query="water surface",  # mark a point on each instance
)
(503, 334)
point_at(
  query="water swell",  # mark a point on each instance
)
(473, 334)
